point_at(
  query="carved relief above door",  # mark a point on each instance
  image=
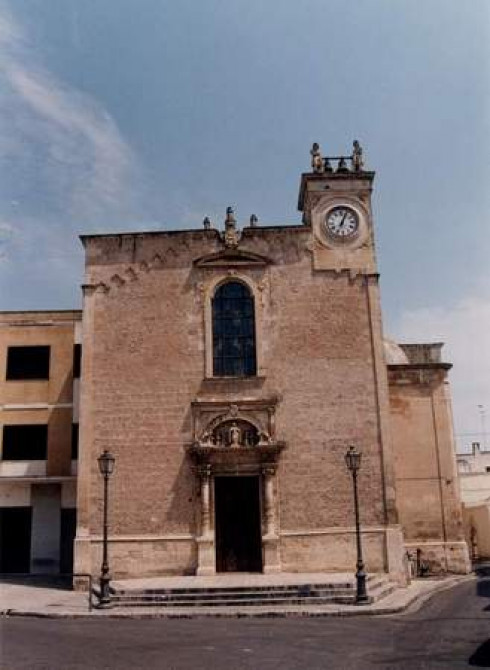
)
(239, 435)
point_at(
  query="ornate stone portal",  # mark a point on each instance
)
(236, 440)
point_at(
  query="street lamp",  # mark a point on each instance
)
(353, 462)
(106, 467)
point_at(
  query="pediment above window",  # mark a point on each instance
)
(232, 258)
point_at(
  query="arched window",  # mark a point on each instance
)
(233, 331)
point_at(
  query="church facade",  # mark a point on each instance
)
(228, 372)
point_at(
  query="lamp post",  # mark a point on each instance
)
(106, 467)
(353, 462)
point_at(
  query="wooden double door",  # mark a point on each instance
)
(238, 524)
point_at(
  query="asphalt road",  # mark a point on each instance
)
(452, 630)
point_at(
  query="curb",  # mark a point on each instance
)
(412, 604)
(416, 602)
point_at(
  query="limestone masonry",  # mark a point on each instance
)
(228, 373)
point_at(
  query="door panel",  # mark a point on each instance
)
(238, 526)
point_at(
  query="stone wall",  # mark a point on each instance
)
(426, 478)
(144, 363)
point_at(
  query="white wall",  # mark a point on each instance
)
(15, 494)
(22, 468)
(474, 487)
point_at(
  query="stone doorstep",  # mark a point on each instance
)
(396, 602)
(251, 595)
(234, 590)
(239, 581)
(230, 579)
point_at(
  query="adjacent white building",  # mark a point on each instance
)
(474, 478)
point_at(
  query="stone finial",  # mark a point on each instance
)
(357, 158)
(206, 223)
(316, 159)
(231, 236)
(253, 221)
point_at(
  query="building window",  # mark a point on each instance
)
(233, 331)
(77, 359)
(28, 362)
(74, 441)
(25, 442)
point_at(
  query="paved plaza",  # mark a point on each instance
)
(34, 598)
(451, 630)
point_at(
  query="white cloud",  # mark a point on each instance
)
(66, 168)
(87, 162)
(464, 329)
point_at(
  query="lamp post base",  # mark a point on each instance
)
(105, 593)
(362, 597)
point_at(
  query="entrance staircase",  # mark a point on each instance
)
(246, 591)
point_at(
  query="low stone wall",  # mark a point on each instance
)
(323, 550)
(145, 556)
(441, 557)
(334, 550)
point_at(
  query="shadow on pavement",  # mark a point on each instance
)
(483, 583)
(481, 657)
(38, 581)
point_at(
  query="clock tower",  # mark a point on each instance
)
(335, 199)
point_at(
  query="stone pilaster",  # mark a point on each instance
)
(206, 562)
(270, 538)
(82, 547)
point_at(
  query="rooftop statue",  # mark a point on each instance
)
(357, 159)
(316, 159)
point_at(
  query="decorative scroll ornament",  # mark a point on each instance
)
(233, 411)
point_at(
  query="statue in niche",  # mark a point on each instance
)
(235, 435)
(357, 159)
(317, 163)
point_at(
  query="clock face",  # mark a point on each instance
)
(342, 223)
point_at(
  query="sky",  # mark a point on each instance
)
(130, 115)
